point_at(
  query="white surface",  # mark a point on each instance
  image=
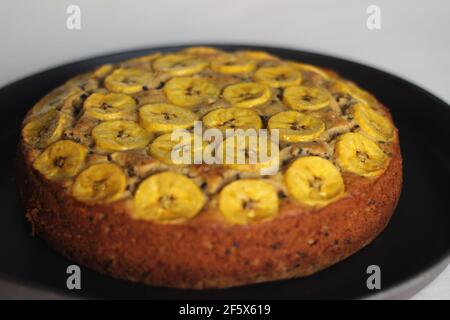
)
(413, 41)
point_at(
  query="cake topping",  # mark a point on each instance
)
(357, 154)
(314, 181)
(118, 123)
(246, 201)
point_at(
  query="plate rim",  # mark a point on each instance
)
(402, 289)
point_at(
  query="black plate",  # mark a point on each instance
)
(410, 252)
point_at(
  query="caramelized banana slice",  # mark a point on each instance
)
(99, 184)
(294, 126)
(162, 117)
(256, 55)
(303, 67)
(62, 159)
(303, 98)
(372, 123)
(245, 201)
(232, 118)
(314, 181)
(109, 106)
(129, 80)
(189, 91)
(344, 87)
(45, 129)
(102, 71)
(278, 77)
(202, 50)
(360, 155)
(163, 146)
(179, 65)
(168, 197)
(120, 135)
(231, 64)
(249, 154)
(247, 94)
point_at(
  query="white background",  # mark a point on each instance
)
(414, 40)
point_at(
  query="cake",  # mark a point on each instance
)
(99, 182)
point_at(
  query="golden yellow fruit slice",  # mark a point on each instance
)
(99, 184)
(62, 159)
(163, 117)
(303, 67)
(359, 155)
(303, 98)
(44, 129)
(314, 181)
(51, 101)
(247, 94)
(142, 60)
(128, 80)
(168, 197)
(294, 126)
(190, 91)
(202, 50)
(232, 118)
(344, 87)
(249, 153)
(278, 77)
(372, 123)
(231, 64)
(245, 201)
(179, 65)
(256, 55)
(183, 147)
(118, 135)
(109, 106)
(102, 71)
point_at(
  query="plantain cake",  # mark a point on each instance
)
(99, 183)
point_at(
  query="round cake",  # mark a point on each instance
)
(208, 169)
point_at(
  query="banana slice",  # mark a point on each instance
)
(128, 80)
(102, 71)
(162, 117)
(231, 64)
(142, 61)
(372, 123)
(100, 183)
(163, 146)
(249, 154)
(202, 50)
(303, 98)
(303, 67)
(189, 91)
(294, 126)
(278, 77)
(256, 55)
(109, 106)
(314, 181)
(51, 101)
(168, 197)
(232, 118)
(245, 201)
(359, 155)
(119, 135)
(247, 94)
(346, 87)
(62, 159)
(179, 65)
(45, 129)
